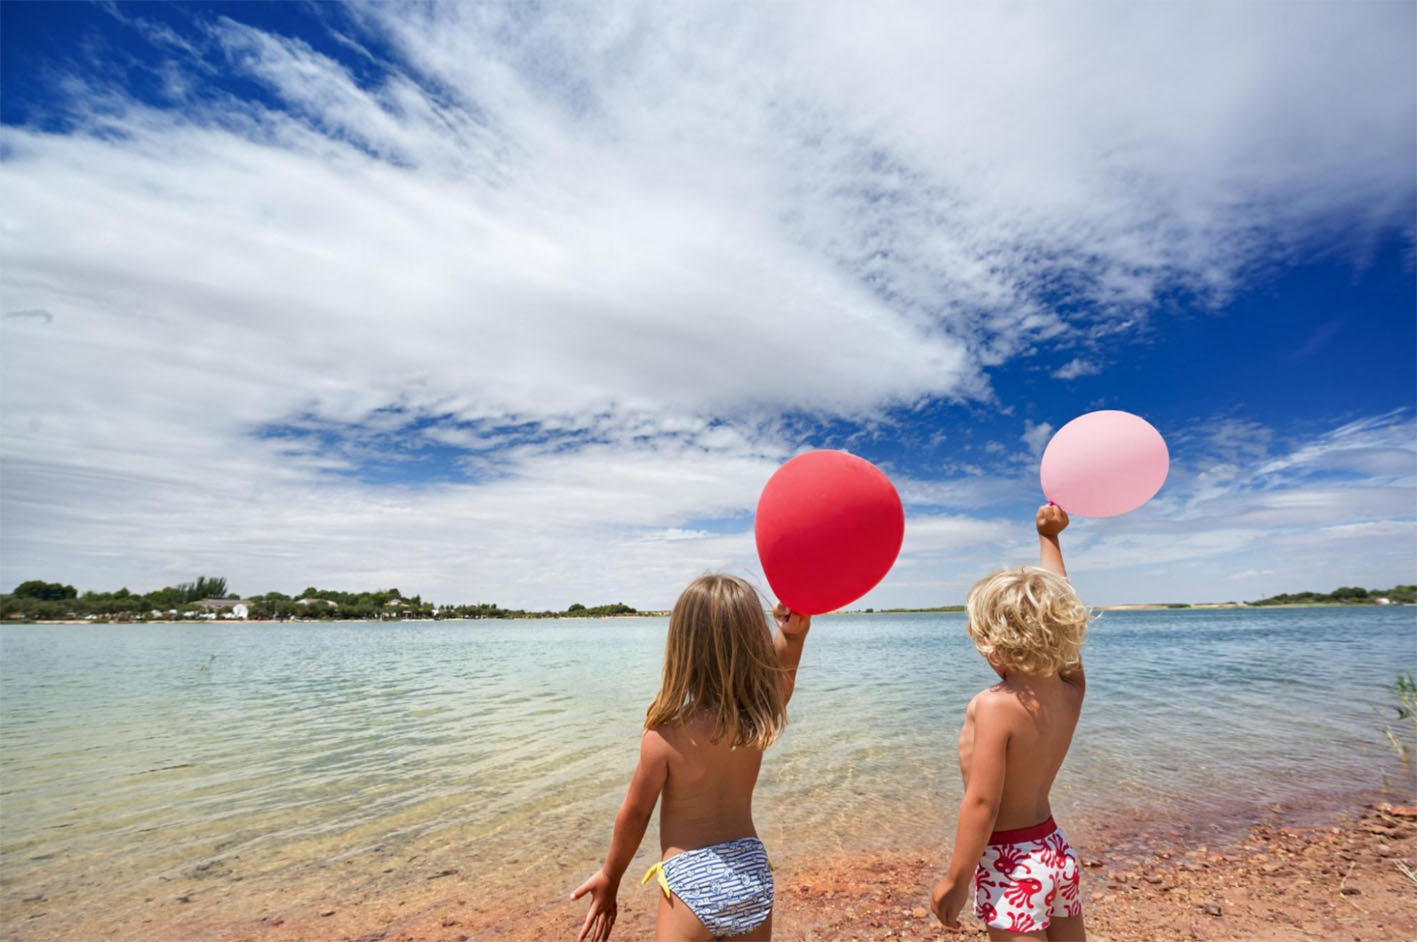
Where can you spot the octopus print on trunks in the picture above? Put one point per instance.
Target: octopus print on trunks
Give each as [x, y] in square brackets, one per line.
[1026, 878]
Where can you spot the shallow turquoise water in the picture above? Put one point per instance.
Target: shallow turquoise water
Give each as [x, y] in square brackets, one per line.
[259, 757]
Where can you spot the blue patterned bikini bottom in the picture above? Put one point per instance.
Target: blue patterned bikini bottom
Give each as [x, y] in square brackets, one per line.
[727, 886]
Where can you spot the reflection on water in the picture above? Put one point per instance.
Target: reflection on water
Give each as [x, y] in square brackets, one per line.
[316, 756]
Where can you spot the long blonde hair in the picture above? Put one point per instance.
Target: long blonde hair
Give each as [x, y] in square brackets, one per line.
[1028, 619]
[719, 660]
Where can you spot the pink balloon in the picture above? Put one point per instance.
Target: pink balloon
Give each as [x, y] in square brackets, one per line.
[1103, 464]
[829, 527]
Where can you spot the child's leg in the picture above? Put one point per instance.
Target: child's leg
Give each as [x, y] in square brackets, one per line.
[677, 923]
[1008, 935]
[1067, 929]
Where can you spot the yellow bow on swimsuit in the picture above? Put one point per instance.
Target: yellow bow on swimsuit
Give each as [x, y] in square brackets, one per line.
[658, 871]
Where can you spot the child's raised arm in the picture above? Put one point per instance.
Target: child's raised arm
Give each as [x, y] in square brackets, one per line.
[1050, 521]
[791, 634]
[630, 823]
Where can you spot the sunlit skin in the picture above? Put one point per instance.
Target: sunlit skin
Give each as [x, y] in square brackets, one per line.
[1015, 737]
[705, 796]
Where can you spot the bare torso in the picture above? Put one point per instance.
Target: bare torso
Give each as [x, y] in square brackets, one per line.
[1042, 714]
[708, 793]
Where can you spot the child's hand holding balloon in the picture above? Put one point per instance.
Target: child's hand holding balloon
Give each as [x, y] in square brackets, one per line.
[789, 622]
[1051, 519]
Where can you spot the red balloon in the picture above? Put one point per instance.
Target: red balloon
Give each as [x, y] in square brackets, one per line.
[829, 527]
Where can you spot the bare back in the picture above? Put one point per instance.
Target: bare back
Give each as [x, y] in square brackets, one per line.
[708, 792]
[1041, 714]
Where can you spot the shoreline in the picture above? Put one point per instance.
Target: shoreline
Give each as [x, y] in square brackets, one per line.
[1149, 607]
[326, 621]
[949, 609]
[1210, 606]
[1328, 868]
[1274, 883]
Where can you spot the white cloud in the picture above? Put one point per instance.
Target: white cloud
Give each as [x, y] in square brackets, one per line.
[1036, 435]
[1075, 368]
[650, 230]
[1373, 445]
[927, 534]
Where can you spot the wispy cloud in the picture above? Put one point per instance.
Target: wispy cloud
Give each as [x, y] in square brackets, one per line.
[1036, 435]
[37, 315]
[1380, 445]
[1075, 368]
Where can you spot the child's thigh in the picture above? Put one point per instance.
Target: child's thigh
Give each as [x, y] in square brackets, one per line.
[677, 923]
[1067, 929]
[1008, 935]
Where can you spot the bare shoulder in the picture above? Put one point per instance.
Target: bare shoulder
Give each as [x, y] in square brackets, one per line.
[998, 706]
[994, 706]
[659, 742]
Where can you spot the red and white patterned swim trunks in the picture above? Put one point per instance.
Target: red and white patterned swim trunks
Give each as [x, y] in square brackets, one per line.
[1026, 878]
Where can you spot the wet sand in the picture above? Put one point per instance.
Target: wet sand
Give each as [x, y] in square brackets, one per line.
[1339, 880]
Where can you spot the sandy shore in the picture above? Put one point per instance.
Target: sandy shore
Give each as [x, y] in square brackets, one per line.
[1343, 880]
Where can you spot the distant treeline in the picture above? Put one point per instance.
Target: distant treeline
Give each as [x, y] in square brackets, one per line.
[577, 610]
[907, 611]
[48, 601]
[1345, 595]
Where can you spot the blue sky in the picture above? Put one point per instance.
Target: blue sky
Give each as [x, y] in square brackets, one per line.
[524, 303]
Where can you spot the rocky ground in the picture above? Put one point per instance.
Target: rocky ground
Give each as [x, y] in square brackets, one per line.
[1355, 879]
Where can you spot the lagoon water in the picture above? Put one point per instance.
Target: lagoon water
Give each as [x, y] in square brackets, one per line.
[240, 764]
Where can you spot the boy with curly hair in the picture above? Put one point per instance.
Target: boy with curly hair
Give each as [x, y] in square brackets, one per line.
[1029, 625]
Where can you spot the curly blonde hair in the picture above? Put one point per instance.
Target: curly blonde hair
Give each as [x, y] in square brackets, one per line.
[719, 660]
[1028, 620]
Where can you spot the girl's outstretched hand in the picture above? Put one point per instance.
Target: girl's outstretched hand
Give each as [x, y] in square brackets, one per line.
[603, 908]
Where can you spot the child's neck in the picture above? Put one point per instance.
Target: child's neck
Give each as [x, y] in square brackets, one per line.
[1018, 680]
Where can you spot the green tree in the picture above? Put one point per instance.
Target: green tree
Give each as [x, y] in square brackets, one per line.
[45, 591]
[204, 588]
[1402, 593]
